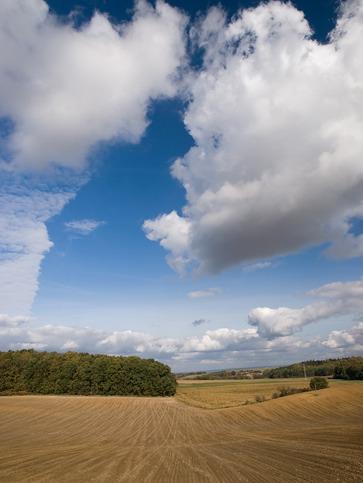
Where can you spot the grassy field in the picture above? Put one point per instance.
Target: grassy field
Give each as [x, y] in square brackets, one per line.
[232, 393]
[308, 437]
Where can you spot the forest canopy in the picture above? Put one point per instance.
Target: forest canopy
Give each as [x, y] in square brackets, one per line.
[29, 371]
[345, 368]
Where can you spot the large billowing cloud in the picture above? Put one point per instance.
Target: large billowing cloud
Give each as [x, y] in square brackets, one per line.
[63, 89]
[67, 88]
[277, 120]
[339, 299]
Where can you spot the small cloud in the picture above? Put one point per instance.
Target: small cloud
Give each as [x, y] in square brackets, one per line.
[209, 292]
[83, 227]
[256, 266]
[198, 322]
[209, 361]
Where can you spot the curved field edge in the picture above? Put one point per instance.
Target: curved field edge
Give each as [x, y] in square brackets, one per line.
[234, 393]
[300, 438]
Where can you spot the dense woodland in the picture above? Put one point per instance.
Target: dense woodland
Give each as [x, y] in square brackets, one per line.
[28, 371]
[347, 368]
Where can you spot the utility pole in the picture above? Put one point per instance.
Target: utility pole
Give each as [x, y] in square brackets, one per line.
[304, 370]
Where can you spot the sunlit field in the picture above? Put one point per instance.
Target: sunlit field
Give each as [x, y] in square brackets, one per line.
[307, 437]
[232, 393]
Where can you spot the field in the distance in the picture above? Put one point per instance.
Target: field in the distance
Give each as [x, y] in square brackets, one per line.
[306, 437]
[215, 394]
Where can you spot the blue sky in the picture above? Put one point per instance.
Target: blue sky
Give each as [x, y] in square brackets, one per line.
[154, 174]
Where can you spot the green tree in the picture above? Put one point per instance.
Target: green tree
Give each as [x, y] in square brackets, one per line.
[317, 383]
[82, 373]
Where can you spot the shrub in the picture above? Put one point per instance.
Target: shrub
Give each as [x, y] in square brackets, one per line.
[260, 398]
[317, 383]
[284, 390]
[288, 391]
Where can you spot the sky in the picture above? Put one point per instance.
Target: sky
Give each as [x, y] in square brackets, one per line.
[182, 180]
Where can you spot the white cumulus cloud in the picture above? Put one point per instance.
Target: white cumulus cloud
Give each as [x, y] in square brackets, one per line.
[351, 339]
[68, 88]
[63, 90]
[173, 233]
[342, 298]
[277, 121]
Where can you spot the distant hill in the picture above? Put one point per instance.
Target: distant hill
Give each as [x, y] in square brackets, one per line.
[345, 368]
[223, 374]
[28, 371]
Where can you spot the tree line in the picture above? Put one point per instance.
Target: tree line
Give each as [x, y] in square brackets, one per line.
[346, 368]
[29, 371]
[229, 374]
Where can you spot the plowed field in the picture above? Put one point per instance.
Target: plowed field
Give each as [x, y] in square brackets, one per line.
[301, 438]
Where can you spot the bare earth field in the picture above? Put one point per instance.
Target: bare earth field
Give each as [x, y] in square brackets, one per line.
[301, 438]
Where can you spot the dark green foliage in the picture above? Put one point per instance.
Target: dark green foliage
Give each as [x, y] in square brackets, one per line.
[28, 371]
[349, 372]
[346, 368]
[317, 383]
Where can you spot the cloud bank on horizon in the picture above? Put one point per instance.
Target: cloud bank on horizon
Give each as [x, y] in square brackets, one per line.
[270, 335]
[272, 111]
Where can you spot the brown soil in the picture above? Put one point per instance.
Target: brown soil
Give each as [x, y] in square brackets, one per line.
[302, 438]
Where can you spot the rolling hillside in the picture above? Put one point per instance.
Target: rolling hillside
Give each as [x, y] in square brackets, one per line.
[309, 437]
